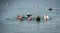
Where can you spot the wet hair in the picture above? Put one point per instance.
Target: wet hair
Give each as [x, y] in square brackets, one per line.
[29, 15]
[38, 18]
[50, 9]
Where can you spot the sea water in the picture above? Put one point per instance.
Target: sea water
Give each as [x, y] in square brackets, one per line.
[9, 10]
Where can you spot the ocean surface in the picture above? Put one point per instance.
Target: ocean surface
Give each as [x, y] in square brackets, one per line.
[9, 10]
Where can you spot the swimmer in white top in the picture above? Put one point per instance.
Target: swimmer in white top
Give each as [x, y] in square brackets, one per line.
[46, 17]
[29, 16]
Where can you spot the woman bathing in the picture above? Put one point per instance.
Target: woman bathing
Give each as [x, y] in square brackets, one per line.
[46, 17]
[29, 16]
[38, 18]
[19, 17]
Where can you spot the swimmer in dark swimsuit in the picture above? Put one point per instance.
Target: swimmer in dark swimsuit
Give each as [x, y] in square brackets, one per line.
[50, 9]
[38, 18]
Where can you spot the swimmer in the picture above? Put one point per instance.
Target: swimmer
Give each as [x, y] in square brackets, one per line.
[46, 17]
[28, 15]
[50, 9]
[19, 17]
[37, 18]
[29, 18]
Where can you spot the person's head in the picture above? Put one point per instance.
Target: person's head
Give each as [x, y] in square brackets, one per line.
[28, 14]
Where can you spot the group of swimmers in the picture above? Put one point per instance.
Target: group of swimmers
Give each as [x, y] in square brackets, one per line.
[19, 17]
